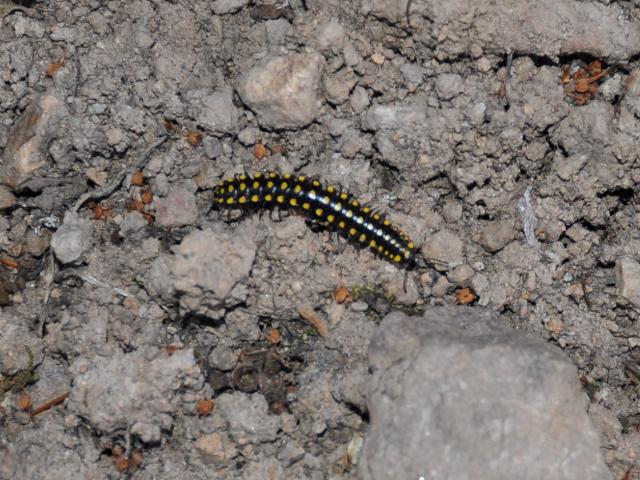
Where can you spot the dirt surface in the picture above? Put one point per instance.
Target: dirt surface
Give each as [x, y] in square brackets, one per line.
[164, 339]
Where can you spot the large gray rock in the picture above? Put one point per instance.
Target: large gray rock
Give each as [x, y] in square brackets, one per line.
[456, 394]
[284, 91]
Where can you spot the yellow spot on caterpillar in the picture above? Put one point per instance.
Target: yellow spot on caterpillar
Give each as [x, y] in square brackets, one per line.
[243, 187]
[268, 197]
[344, 196]
[258, 175]
[297, 189]
[255, 199]
[376, 216]
[272, 175]
[293, 202]
[410, 246]
[256, 185]
[366, 209]
[386, 253]
[326, 200]
[280, 199]
[302, 178]
[269, 184]
[372, 244]
[338, 206]
[316, 183]
[341, 224]
[221, 183]
[352, 231]
[306, 206]
[242, 199]
[380, 248]
[287, 176]
[230, 200]
[242, 177]
[406, 254]
[284, 185]
[330, 218]
[397, 258]
[363, 237]
[230, 188]
[355, 203]
[330, 189]
[387, 222]
[319, 212]
[349, 214]
[221, 200]
[312, 194]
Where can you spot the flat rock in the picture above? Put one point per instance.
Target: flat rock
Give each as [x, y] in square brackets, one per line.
[456, 392]
[496, 235]
[538, 28]
[30, 138]
[207, 266]
[283, 91]
[139, 387]
[73, 238]
[7, 199]
[214, 111]
[628, 279]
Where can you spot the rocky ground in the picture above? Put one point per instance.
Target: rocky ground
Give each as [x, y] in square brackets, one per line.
[144, 334]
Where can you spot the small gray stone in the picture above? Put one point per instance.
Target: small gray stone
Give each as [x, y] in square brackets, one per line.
[212, 147]
[456, 392]
[20, 348]
[628, 279]
[248, 417]
[221, 7]
[7, 199]
[177, 208]
[359, 100]
[330, 35]
[133, 222]
[73, 238]
[248, 136]
[452, 211]
[495, 236]
[338, 86]
[214, 111]
[449, 85]
[284, 91]
[444, 249]
[461, 274]
[216, 448]
[222, 357]
[206, 268]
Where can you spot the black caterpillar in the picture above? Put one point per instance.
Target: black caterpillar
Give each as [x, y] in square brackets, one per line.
[327, 204]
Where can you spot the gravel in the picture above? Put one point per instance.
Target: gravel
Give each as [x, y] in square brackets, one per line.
[145, 302]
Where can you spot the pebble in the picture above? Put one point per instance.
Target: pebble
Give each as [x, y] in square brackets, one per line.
[73, 238]
[359, 99]
[7, 199]
[221, 7]
[460, 274]
[216, 448]
[248, 417]
[444, 249]
[178, 208]
[449, 85]
[131, 223]
[496, 235]
[284, 91]
[628, 279]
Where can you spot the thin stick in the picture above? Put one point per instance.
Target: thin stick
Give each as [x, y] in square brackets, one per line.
[103, 192]
[51, 403]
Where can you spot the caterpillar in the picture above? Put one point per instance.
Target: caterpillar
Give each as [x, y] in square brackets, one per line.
[327, 204]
